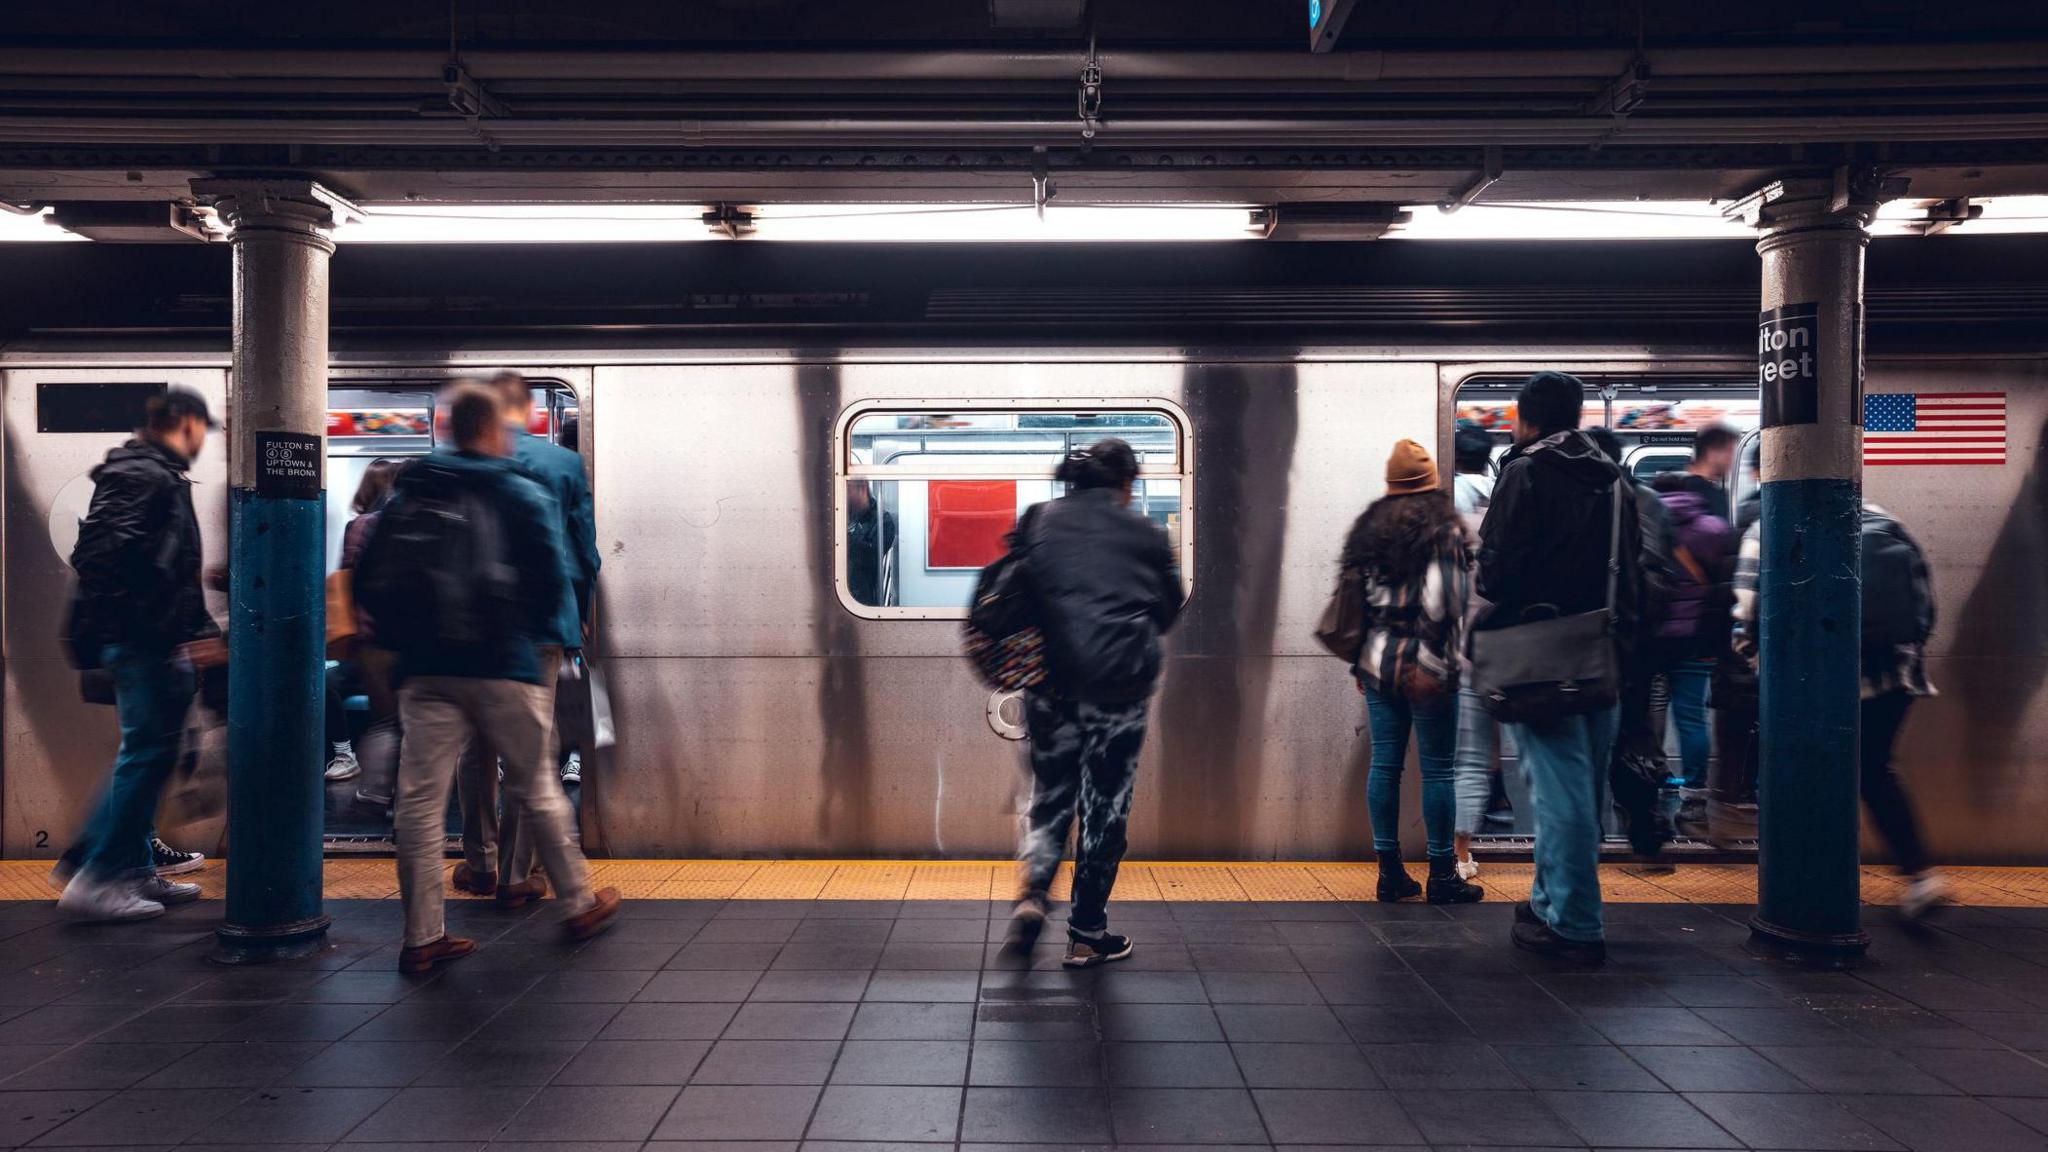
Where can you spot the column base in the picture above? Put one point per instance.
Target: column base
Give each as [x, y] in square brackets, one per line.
[236, 945]
[1829, 951]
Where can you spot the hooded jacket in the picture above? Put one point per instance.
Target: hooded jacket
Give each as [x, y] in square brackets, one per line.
[1108, 587]
[138, 554]
[1696, 617]
[1543, 549]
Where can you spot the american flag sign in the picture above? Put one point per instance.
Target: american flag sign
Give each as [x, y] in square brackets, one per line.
[1933, 428]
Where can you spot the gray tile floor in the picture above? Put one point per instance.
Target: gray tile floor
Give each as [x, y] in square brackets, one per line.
[855, 1027]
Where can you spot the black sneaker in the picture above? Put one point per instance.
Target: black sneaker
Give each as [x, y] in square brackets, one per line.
[171, 862]
[1027, 920]
[1540, 939]
[1525, 913]
[1088, 952]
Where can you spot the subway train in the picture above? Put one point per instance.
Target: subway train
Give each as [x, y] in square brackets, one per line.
[791, 511]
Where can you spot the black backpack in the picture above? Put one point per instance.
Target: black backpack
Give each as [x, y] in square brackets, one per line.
[436, 571]
[1897, 608]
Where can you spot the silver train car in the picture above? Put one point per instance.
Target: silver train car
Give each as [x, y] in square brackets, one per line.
[784, 686]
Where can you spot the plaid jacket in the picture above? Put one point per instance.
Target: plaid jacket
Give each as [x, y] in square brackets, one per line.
[1903, 669]
[1419, 622]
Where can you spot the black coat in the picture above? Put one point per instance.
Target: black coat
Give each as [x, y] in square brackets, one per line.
[137, 556]
[1544, 544]
[1108, 587]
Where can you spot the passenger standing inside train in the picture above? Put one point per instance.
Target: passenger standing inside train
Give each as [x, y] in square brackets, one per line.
[1414, 556]
[342, 761]
[1713, 462]
[369, 665]
[1731, 775]
[1477, 780]
[1107, 589]
[464, 575]
[1898, 617]
[140, 614]
[1694, 629]
[1545, 550]
[493, 839]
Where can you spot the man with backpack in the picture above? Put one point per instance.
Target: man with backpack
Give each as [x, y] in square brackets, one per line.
[139, 617]
[464, 575]
[1898, 617]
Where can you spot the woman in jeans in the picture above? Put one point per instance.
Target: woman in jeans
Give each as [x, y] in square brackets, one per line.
[1411, 548]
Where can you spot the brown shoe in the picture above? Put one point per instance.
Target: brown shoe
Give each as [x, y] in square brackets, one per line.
[521, 894]
[592, 920]
[474, 883]
[426, 956]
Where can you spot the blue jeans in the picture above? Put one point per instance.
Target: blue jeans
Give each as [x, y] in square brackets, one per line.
[1564, 763]
[1478, 743]
[1689, 681]
[1436, 743]
[152, 692]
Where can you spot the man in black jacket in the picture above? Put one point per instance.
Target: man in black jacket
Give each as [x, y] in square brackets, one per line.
[1545, 551]
[140, 614]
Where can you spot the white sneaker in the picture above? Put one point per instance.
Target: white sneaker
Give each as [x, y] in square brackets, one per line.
[1468, 868]
[1923, 892]
[89, 899]
[344, 767]
[168, 892]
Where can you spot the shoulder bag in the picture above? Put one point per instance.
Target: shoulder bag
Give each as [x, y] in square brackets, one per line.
[1341, 629]
[1562, 666]
[1002, 637]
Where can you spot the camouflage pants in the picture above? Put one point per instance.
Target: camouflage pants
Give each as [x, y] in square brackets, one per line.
[1084, 760]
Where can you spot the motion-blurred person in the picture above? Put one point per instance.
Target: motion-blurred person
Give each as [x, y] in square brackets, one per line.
[1107, 588]
[464, 575]
[1713, 462]
[1415, 558]
[1731, 775]
[1898, 617]
[1477, 778]
[1693, 630]
[368, 666]
[1545, 551]
[493, 840]
[139, 613]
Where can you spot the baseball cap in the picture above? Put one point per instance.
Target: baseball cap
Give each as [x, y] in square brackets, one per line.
[180, 401]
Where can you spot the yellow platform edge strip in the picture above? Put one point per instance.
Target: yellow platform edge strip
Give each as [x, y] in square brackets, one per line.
[1178, 880]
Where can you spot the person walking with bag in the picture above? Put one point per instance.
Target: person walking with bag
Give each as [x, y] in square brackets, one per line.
[1105, 587]
[1557, 561]
[1410, 550]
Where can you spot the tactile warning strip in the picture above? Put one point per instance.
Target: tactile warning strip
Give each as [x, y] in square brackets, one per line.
[1282, 882]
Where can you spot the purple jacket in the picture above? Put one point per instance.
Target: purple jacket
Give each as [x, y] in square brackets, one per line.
[1698, 611]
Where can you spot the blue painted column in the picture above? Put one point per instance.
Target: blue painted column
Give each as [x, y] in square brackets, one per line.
[277, 421]
[1810, 373]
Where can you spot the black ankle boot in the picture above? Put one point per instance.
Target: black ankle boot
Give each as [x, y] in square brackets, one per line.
[1447, 887]
[1395, 883]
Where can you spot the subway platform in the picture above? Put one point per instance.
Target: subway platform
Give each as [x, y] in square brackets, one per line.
[855, 1007]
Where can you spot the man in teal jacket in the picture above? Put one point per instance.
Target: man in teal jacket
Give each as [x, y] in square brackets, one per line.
[490, 842]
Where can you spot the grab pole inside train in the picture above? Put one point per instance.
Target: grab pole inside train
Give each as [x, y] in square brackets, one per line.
[277, 406]
[1810, 373]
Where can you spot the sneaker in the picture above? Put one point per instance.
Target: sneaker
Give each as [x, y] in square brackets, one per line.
[344, 767]
[369, 799]
[1540, 939]
[572, 769]
[168, 892]
[1468, 868]
[106, 902]
[424, 957]
[171, 862]
[1923, 892]
[1027, 920]
[1088, 952]
[592, 920]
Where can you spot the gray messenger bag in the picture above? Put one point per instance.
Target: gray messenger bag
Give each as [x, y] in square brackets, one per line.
[1555, 666]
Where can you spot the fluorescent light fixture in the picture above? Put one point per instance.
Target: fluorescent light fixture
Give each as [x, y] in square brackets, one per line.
[1574, 220]
[1003, 223]
[526, 224]
[32, 228]
[1997, 214]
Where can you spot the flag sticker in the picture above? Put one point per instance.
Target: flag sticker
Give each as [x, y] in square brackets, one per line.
[1934, 428]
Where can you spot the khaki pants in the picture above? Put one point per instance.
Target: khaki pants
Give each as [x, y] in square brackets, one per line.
[442, 714]
[493, 838]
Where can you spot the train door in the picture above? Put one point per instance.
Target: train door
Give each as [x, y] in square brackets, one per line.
[59, 424]
[376, 424]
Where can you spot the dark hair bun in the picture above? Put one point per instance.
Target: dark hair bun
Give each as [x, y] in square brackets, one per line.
[1108, 463]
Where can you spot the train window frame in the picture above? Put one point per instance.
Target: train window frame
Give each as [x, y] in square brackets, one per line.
[845, 469]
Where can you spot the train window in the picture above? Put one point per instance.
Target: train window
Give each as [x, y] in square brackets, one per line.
[927, 492]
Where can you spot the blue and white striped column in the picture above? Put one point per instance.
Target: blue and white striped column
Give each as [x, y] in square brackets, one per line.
[277, 425]
[1810, 372]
